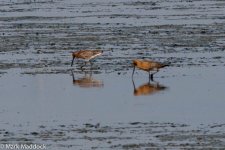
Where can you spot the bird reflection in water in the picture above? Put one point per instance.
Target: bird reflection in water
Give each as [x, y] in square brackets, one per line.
[87, 81]
[148, 88]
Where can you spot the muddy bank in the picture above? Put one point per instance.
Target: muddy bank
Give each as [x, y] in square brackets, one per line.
[133, 135]
[41, 35]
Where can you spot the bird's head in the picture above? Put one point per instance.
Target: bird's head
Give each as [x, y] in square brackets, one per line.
[135, 62]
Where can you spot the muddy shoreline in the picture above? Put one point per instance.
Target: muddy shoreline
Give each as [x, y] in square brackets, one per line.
[32, 40]
[133, 135]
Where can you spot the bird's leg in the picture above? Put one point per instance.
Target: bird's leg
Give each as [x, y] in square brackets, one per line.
[91, 64]
[133, 72]
[83, 65]
[156, 71]
[153, 74]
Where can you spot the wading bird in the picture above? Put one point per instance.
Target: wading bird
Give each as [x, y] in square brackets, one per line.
[87, 55]
[148, 65]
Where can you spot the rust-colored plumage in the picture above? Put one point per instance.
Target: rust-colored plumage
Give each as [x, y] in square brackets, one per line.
[86, 55]
[148, 65]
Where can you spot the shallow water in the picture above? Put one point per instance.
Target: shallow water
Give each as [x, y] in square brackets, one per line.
[53, 104]
[186, 97]
[45, 101]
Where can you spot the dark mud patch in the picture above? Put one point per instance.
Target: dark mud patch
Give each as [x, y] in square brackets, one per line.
[38, 41]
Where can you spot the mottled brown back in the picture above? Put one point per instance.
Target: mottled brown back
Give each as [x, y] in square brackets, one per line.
[87, 54]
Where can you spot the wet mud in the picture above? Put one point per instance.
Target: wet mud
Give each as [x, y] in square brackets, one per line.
[133, 135]
[42, 34]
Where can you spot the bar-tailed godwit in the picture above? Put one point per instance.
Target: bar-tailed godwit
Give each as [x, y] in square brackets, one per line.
[148, 65]
[87, 55]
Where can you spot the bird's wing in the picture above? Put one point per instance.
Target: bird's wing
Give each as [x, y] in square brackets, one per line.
[88, 54]
[85, 54]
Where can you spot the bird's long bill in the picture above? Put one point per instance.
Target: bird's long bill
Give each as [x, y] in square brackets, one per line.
[72, 61]
[133, 72]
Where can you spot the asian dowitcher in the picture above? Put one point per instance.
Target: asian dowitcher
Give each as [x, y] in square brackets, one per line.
[148, 65]
[87, 55]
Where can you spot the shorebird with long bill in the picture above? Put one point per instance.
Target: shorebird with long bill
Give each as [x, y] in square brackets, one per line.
[148, 65]
[86, 55]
